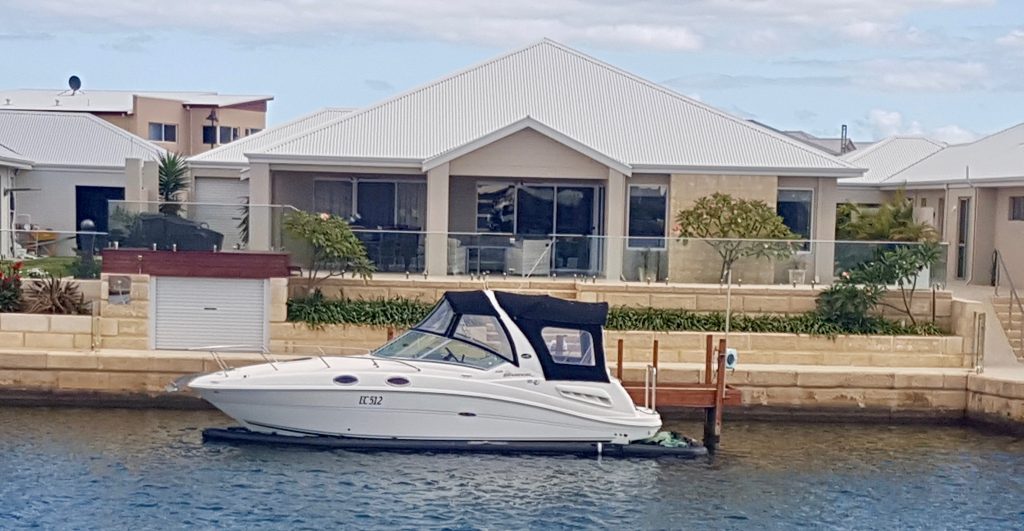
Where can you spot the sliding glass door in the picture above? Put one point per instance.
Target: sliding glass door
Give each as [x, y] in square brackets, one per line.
[553, 226]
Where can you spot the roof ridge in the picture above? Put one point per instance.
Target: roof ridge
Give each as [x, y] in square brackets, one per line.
[861, 153]
[744, 123]
[402, 95]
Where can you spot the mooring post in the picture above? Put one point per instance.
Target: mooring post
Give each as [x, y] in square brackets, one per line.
[655, 354]
[391, 333]
[713, 428]
[709, 351]
[618, 363]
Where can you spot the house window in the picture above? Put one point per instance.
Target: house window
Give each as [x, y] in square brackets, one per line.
[1017, 208]
[646, 221]
[795, 209]
[228, 134]
[333, 197]
[495, 208]
[373, 203]
[159, 132]
[252, 130]
[209, 134]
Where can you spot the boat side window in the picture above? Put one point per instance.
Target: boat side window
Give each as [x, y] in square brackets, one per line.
[417, 345]
[484, 330]
[569, 346]
[439, 319]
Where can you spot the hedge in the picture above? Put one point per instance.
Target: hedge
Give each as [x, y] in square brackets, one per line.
[317, 311]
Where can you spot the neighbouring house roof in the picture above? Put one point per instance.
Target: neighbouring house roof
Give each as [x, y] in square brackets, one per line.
[119, 101]
[585, 103]
[233, 154]
[70, 139]
[888, 157]
[11, 158]
[993, 159]
[833, 146]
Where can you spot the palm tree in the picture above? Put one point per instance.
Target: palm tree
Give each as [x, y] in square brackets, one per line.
[173, 182]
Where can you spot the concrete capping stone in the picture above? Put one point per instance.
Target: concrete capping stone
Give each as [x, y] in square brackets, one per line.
[71, 324]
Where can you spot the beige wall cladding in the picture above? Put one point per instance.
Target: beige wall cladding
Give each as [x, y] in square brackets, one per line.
[527, 153]
[691, 262]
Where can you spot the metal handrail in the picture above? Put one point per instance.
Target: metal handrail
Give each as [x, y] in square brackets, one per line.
[651, 388]
[1000, 270]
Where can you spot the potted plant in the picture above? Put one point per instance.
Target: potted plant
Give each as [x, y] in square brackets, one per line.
[798, 274]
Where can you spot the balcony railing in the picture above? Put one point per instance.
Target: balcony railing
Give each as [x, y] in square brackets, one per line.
[189, 226]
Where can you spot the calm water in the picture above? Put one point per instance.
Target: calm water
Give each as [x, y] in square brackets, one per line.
[120, 469]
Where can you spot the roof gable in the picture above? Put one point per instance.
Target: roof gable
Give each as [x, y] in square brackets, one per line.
[885, 158]
[71, 139]
[996, 157]
[610, 112]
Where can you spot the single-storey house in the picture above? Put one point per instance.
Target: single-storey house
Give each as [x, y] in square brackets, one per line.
[58, 170]
[975, 192]
[543, 161]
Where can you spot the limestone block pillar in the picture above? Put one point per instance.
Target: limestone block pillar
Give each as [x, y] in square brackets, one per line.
[150, 181]
[260, 218]
[825, 229]
[615, 224]
[437, 220]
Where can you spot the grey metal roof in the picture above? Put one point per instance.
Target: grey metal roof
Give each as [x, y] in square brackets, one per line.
[997, 157]
[832, 146]
[9, 157]
[70, 139]
[233, 154]
[642, 125]
[110, 100]
[888, 157]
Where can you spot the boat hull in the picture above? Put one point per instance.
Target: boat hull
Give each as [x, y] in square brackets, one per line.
[419, 414]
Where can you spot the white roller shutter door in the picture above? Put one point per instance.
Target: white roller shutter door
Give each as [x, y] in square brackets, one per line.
[199, 312]
[224, 217]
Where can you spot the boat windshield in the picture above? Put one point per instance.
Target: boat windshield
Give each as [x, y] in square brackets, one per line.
[419, 345]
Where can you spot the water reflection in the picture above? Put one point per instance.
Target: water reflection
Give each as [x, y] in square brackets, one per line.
[148, 469]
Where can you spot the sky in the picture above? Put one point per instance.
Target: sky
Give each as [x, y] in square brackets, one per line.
[950, 69]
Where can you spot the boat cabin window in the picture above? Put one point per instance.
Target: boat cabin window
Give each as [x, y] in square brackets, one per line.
[568, 346]
[484, 330]
[439, 320]
[417, 345]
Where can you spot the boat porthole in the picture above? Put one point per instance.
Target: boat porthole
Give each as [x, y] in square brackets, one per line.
[345, 379]
[526, 356]
[466, 414]
[398, 380]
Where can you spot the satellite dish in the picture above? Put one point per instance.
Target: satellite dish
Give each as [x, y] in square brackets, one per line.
[74, 83]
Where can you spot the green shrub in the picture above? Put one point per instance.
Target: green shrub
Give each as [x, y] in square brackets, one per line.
[317, 311]
[10, 286]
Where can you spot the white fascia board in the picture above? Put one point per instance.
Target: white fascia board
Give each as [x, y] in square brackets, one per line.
[78, 169]
[319, 160]
[515, 127]
[749, 170]
[215, 165]
[987, 182]
[18, 164]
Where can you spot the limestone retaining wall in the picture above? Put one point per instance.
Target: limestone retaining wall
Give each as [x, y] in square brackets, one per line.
[34, 330]
[996, 400]
[861, 351]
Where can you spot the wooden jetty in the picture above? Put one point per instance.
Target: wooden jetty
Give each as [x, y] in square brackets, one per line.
[712, 394]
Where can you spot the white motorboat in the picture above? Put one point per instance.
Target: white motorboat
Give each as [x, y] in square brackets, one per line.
[483, 366]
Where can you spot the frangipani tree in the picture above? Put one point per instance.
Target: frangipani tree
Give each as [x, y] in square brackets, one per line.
[335, 249]
[736, 228]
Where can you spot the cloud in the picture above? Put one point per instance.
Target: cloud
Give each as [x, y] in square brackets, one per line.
[925, 74]
[652, 24]
[379, 84]
[27, 36]
[883, 123]
[1014, 39]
